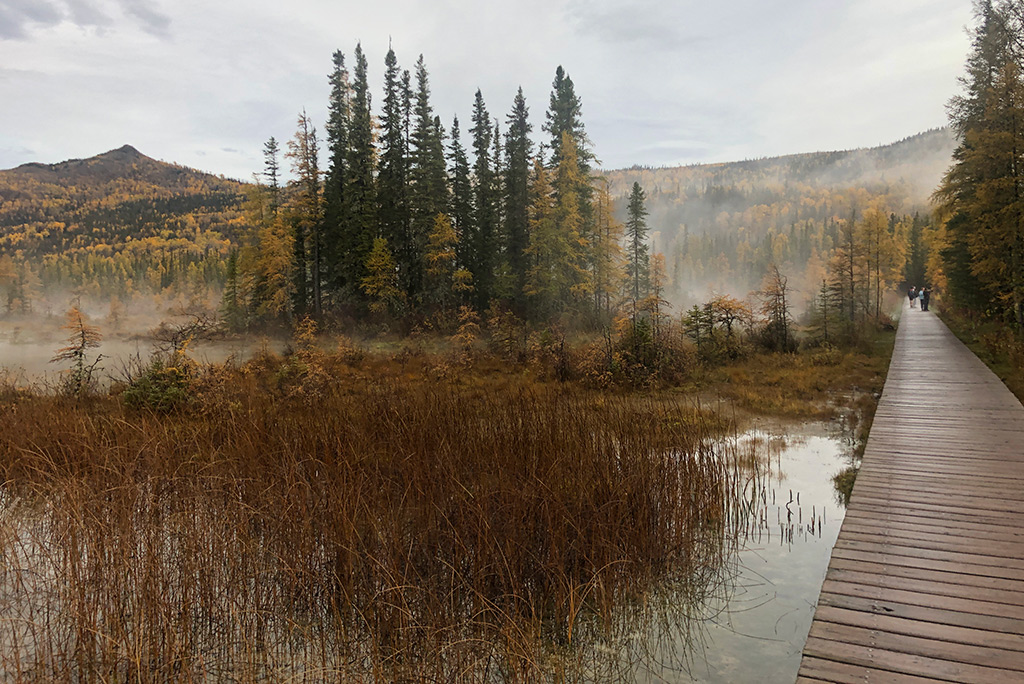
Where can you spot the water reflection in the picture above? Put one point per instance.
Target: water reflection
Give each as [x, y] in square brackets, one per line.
[754, 628]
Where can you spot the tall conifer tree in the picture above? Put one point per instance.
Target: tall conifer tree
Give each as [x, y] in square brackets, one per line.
[461, 204]
[361, 222]
[565, 116]
[485, 206]
[518, 150]
[336, 210]
[990, 52]
[392, 180]
[271, 171]
[428, 190]
[637, 256]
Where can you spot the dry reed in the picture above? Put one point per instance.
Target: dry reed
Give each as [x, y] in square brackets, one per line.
[363, 531]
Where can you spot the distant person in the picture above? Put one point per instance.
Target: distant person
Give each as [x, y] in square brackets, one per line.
[912, 295]
[926, 295]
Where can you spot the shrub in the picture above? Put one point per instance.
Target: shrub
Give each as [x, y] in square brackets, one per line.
[164, 385]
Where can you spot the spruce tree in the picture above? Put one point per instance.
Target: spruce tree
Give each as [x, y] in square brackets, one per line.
[565, 116]
[518, 150]
[360, 226]
[461, 203]
[637, 259]
[502, 283]
[485, 210]
[271, 173]
[336, 210]
[428, 189]
[392, 180]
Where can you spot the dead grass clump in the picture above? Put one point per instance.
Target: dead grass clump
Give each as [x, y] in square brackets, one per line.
[388, 532]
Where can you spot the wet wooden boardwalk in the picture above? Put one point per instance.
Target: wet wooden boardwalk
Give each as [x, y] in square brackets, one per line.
[926, 581]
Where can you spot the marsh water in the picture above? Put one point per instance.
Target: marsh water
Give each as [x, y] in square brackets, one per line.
[754, 630]
[26, 350]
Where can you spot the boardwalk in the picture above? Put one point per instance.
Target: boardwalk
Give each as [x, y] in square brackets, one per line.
[926, 581]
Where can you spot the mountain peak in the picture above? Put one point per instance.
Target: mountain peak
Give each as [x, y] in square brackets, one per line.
[125, 152]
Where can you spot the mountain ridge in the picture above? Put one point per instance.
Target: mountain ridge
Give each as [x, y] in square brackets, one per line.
[128, 154]
[125, 161]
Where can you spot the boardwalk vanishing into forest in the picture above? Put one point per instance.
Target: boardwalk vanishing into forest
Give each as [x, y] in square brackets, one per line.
[926, 581]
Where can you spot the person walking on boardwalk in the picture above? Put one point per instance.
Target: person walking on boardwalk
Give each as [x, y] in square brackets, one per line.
[926, 295]
[912, 295]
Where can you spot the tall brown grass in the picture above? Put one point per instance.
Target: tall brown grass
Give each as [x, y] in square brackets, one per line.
[289, 525]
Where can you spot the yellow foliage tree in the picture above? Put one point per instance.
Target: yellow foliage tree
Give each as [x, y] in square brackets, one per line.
[381, 282]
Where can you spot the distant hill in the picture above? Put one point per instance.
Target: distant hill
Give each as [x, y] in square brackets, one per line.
[919, 160]
[694, 196]
[111, 199]
[721, 225]
[119, 223]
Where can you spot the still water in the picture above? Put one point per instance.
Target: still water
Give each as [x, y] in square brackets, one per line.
[25, 354]
[755, 630]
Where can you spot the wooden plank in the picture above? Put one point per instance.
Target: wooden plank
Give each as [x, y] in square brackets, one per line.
[926, 578]
[903, 663]
[932, 475]
[949, 588]
[985, 554]
[967, 572]
[972, 563]
[920, 628]
[949, 575]
[956, 524]
[945, 650]
[821, 670]
[909, 497]
[962, 538]
[954, 604]
[868, 501]
[913, 611]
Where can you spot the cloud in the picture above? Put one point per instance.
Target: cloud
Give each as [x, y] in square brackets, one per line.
[16, 15]
[650, 27]
[18, 18]
[153, 21]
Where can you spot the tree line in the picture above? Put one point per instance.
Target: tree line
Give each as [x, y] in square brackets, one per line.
[981, 198]
[391, 216]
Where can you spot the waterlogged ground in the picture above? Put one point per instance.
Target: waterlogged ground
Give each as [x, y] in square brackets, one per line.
[753, 625]
[756, 630]
[25, 353]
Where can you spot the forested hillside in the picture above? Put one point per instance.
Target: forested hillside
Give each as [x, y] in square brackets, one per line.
[119, 223]
[721, 225]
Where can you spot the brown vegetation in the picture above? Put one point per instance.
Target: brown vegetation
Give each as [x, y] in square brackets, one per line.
[324, 517]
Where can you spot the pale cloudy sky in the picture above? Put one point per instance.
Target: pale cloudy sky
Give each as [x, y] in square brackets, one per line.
[205, 82]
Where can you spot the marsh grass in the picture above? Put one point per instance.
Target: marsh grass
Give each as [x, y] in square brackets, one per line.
[822, 384]
[313, 519]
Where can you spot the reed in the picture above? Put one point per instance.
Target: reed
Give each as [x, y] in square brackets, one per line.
[310, 522]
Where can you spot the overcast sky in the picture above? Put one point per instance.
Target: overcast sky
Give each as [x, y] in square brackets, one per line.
[205, 82]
